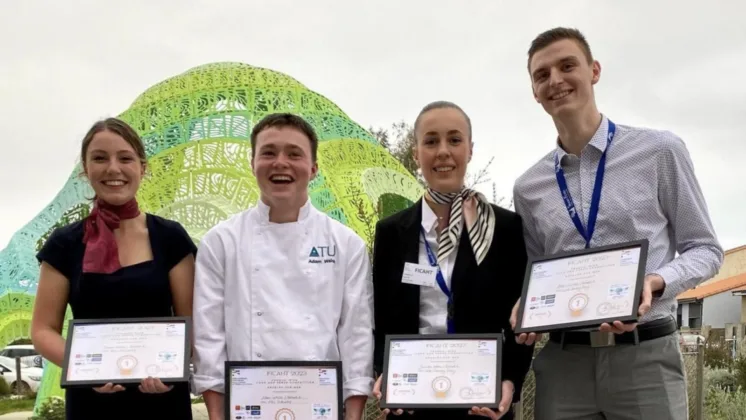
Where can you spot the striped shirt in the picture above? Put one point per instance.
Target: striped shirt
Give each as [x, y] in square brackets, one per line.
[649, 191]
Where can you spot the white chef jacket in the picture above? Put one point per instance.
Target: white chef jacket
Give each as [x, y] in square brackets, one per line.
[282, 291]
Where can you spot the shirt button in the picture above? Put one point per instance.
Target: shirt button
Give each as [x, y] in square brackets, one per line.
[258, 355]
[259, 313]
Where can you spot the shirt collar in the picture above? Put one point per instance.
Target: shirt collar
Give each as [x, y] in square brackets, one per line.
[429, 219]
[263, 212]
[598, 141]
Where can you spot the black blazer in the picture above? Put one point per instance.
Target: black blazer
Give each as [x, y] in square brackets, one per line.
[483, 296]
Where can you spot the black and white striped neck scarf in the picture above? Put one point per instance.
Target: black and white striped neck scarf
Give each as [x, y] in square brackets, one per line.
[480, 233]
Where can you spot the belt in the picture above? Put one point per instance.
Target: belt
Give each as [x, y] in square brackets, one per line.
[648, 331]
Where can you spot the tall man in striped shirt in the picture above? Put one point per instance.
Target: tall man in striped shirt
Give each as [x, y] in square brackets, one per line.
[649, 190]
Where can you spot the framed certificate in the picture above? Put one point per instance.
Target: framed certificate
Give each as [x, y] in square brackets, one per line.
[583, 289]
[442, 371]
[125, 351]
[283, 390]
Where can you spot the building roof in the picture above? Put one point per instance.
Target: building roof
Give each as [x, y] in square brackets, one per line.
[725, 285]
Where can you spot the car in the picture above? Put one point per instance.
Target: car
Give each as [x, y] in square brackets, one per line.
[28, 354]
[30, 376]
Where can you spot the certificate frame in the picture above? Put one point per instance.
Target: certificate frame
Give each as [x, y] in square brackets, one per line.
[497, 337]
[630, 317]
[230, 365]
[73, 323]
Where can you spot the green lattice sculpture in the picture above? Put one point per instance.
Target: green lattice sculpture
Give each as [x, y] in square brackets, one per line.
[196, 130]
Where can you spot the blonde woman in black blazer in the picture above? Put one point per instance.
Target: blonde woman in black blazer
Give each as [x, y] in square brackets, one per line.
[483, 266]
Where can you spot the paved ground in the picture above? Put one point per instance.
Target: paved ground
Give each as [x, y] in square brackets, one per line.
[198, 411]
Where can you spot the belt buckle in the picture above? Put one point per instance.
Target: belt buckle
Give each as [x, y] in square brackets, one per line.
[602, 339]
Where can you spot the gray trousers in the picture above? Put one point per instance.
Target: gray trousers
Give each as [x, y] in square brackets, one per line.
[622, 382]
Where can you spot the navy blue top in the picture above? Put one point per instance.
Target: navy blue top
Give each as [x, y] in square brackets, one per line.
[139, 290]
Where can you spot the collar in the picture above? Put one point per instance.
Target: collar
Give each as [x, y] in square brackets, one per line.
[263, 213]
[429, 219]
[598, 141]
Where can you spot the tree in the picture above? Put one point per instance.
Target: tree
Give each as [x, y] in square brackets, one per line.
[400, 143]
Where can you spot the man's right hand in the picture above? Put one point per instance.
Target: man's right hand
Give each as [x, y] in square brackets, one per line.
[377, 394]
[523, 338]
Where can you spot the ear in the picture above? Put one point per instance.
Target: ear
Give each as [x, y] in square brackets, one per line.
[471, 150]
[414, 155]
[314, 170]
[596, 69]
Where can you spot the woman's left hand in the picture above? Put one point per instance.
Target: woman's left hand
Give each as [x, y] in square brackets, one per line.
[503, 407]
[151, 385]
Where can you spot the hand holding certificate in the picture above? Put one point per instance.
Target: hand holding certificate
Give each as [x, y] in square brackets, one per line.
[107, 354]
[590, 288]
[442, 371]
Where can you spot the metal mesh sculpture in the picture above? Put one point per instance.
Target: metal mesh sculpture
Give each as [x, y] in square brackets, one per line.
[196, 129]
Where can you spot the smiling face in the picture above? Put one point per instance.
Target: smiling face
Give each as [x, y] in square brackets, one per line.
[113, 167]
[562, 78]
[283, 166]
[443, 148]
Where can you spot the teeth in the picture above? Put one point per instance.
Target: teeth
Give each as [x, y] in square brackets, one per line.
[444, 169]
[281, 178]
[114, 183]
[559, 95]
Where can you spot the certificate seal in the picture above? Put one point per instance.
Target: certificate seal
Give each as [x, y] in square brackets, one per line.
[603, 308]
[284, 414]
[126, 364]
[441, 385]
[577, 303]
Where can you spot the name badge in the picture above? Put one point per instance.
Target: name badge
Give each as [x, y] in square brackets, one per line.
[419, 274]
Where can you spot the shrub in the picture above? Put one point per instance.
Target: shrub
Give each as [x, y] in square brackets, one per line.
[717, 356]
[720, 378]
[51, 409]
[739, 372]
[724, 405]
[4, 387]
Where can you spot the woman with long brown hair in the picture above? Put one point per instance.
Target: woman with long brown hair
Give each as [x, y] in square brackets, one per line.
[117, 263]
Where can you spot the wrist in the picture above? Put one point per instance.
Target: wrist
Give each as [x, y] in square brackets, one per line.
[657, 284]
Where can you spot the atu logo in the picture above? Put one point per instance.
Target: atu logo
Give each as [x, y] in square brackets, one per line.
[323, 254]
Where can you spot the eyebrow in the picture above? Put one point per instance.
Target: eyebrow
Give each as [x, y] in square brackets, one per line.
[118, 151]
[449, 132]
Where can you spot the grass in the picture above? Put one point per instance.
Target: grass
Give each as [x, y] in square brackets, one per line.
[12, 405]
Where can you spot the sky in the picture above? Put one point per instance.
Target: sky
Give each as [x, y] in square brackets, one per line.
[674, 65]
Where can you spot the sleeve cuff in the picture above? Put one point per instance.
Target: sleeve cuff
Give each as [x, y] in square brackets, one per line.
[201, 383]
[357, 386]
[671, 280]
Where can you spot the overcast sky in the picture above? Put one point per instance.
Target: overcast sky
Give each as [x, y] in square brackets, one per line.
[676, 65]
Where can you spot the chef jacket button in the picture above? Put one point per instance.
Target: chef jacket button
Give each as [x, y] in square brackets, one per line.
[259, 313]
[258, 355]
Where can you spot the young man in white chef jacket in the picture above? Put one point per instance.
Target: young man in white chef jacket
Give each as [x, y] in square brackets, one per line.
[283, 281]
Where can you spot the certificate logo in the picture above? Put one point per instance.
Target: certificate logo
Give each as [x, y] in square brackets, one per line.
[441, 385]
[577, 303]
[618, 291]
[322, 411]
[284, 414]
[327, 377]
[480, 378]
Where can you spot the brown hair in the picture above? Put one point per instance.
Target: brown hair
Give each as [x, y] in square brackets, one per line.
[440, 105]
[118, 127]
[281, 120]
[553, 35]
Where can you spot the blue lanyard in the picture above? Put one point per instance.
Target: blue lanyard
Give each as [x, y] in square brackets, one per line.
[441, 283]
[595, 198]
